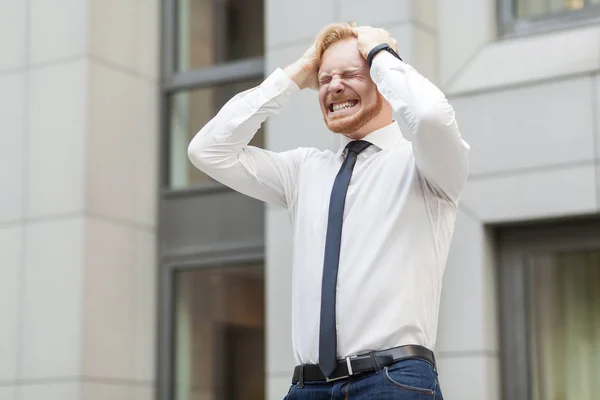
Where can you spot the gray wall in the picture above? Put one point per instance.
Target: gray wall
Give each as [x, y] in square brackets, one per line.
[78, 134]
[530, 114]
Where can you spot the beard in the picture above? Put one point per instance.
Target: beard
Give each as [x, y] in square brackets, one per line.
[353, 123]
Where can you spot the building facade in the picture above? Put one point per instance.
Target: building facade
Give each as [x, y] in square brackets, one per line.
[79, 130]
[125, 273]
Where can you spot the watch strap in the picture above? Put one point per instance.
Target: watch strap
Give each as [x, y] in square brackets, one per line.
[377, 49]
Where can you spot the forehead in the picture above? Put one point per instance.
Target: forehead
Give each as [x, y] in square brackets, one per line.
[341, 56]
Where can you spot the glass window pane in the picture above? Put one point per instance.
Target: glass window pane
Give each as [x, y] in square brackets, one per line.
[216, 31]
[532, 8]
[564, 326]
[219, 334]
[190, 111]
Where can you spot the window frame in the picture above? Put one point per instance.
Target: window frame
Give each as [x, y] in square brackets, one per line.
[511, 26]
[165, 370]
[231, 252]
[515, 245]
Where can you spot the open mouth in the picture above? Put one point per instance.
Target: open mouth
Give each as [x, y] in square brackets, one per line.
[342, 107]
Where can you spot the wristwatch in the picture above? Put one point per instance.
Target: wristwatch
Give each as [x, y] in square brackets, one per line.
[377, 49]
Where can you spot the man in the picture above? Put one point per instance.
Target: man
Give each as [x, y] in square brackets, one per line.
[371, 223]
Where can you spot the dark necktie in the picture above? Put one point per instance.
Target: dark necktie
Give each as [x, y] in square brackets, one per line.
[333, 241]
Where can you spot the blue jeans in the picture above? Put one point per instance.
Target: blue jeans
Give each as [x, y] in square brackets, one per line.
[412, 379]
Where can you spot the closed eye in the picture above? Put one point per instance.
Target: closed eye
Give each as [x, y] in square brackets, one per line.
[352, 75]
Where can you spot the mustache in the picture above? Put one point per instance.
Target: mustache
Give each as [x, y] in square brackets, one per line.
[333, 99]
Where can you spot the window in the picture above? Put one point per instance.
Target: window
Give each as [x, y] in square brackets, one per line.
[550, 301]
[190, 110]
[219, 333]
[563, 306]
[530, 16]
[213, 49]
[217, 31]
[534, 8]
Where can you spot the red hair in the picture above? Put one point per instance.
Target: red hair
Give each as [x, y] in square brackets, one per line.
[331, 34]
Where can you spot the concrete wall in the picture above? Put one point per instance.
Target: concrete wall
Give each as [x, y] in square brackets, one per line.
[78, 135]
[530, 114]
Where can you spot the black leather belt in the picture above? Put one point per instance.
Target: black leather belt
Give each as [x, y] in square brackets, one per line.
[363, 363]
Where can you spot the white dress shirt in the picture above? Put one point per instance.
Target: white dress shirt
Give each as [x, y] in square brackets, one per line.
[398, 219]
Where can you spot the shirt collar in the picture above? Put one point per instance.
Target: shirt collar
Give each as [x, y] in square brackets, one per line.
[384, 138]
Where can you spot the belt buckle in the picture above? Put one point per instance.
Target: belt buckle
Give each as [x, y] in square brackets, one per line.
[350, 372]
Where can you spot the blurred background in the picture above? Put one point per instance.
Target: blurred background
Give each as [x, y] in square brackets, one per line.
[127, 274]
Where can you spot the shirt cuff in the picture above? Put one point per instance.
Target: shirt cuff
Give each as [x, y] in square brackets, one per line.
[278, 83]
[382, 63]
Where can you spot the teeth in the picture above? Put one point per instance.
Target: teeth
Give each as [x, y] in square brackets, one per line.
[346, 104]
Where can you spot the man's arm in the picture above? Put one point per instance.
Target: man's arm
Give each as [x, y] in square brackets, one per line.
[221, 148]
[441, 153]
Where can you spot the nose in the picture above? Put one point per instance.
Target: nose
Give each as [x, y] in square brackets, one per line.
[336, 86]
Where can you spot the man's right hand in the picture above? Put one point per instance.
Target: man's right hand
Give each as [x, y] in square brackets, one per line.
[304, 71]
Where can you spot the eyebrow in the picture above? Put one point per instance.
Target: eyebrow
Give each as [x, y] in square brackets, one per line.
[328, 75]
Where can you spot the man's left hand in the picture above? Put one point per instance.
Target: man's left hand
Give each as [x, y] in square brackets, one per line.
[369, 37]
